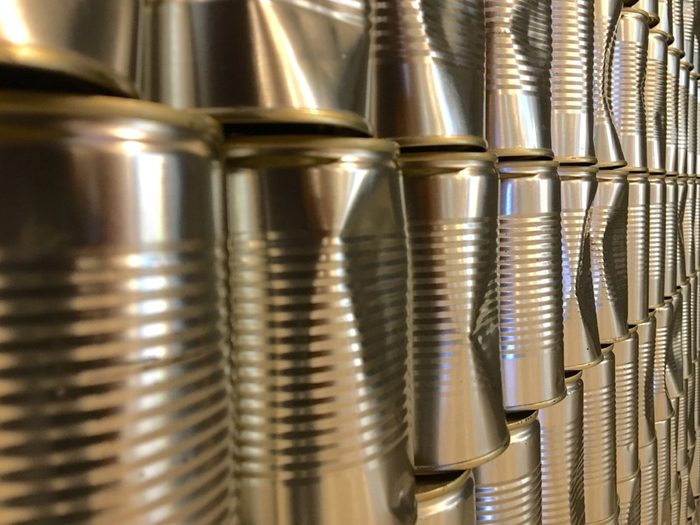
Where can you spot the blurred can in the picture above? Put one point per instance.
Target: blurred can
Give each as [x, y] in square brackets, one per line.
[509, 487]
[688, 28]
[682, 429]
[662, 353]
[664, 26]
[683, 83]
[685, 488]
[649, 484]
[451, 204]
[530, 284]
[655, 102]
[115, 405]
[627, 405]
[673, 65]
[673, 444]
[627, 86]
[262, 62]
[607, 144]
[427, 72]
[599, 456]
[686, 321]
[670, 238]
[657, 239]
[681, 272]
[609, 254]
[676, 499]
[446, 499]
[638, 237]
[630, 493]
[581, 341]
[518, 90]
[651, 8]
[647, 391]
[687, 226]
[561, 450]
[674, 357]
[70, 46]
[572, 81]
[677, 26]
[318, 286]
[663, 455]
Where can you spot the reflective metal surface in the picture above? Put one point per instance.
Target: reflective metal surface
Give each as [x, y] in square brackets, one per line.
[662, 353]
[530, 287]
[682, 431]
[683, 82]
[657, 239]
[663, 455]
[630, 494]
[684, 496]
[452, 213]
[115, 405]
[427, 71]
[672, 81]
[655, 102]
[649, 484]
[518, 64]
[675, 481]
[677, 25]
[627, 405]
[446, 499]
[260, 61]
[638, 247]
[318, 285]
[651, 8]
[687, 359]
[674, 357]
[688, 28]
[671, 250]
[681, 272]
[647, 391]
[664, 26]
[687, 227]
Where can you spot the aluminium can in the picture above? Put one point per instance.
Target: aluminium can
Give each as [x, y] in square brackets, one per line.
[509, 487]
[318, 273]
[530, 284]
[647, 391]
[651, 8]
[676, 500]
[115, 405]
[677, 26]
[655, 102]
[446, 499]
[662, 354]
[683, 86]
[627, 405]
[692, 113]
[671, 238]
[687, 226]
[675, 465]
[451, 202]
[630, 495]
[673, 64]
[682, 429]
[681, 272]
[638, 237]
[664, 25]
[663, 453]
[674, 357]
[688, 9]
[649, 484]
[657, 239]
[686, 335]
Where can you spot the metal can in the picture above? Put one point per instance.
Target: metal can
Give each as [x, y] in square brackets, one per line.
[673, 64]
[674, 357]
[663, 455]
[673, 443]
[677, 26]
[693, 292]
[630, 494]
[682, 430]
[647, 391]
[681, 272]
[671, 250]
[657, 239]
[599, 455]
[115, 406]
[651, 8]
[446, 499]
[427, 72]
[655, 102]
[318, 296]
[207, 54]
[561, 450]
[676, 500]
[509, 487]
[687, 227]
[662, 353]
[638, 247]
[649, 484]
[451, 204]
[518, 65]
[685, 488]
[581, 341]
[683, 84]
[664, 26]
[530, 284]
[572, 81]
[609, 254]
[688, 8]
[686, 321]
[627, 405]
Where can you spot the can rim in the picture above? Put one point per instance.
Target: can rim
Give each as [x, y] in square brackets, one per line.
[473, 141]
[237, 146]
[572, 376]
[454, 481]
[520, 418]
[636, 12]
[459, 160]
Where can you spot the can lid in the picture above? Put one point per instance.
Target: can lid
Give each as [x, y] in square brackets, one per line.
[520, 419]
[576, 172]
[527, 167]
[635, 12]
[572, 376]
[431, 163]
[435, 486]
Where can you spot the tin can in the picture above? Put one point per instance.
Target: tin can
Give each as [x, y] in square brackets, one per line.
[655, 101]
[663, 454]
[677, 26]
[115, 406]
[676, 500]
[682, 430]
[670, 270]
[691, 168]
[609, 254]
[630, 493]
[638, 247]
[673, 64]
[627, 405]
[686, 321]
[664, 26]
[649, 484]
[451, 204]
[208, 54]
[675, 466]
[572, 81]
[692, 317]
[518, 90]
[446, 499]
[427, 72]
[561, 450]
[681, 272]
[651, 8]
[581, 341]
[688, 8]
[683, 85]
[686, 224]
[530, 284]
[685, 487]
[628, 70]
[607, 144]
[647, 391]
[657, 239]
[674, 358]
[318, 285]
[662, 354]
[599, 456]
[509, 487]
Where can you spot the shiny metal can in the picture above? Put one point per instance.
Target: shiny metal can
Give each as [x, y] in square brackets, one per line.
[71, 46]
[693, 281]
[530, 284]
[686, 225]
[681, 273]
[572, 81]
[688, 8]
[628, 71]
[647, 391]
[607, 144]
[686, 336]
[682, 429]
[691, 161]
[657, 239]
[115, 404]
[609, 254]
[638, 237]
[665, 20]
[630, 494]
[676, 500]
[318, 279]
[685, 487]
[675, 467]
[677, 26]
[673, 64]
[683, 85]
[509, 487]
[663, 454]
[671, 239]
[655, 102]
[674, 357]
[446, 499]
[426, 81]
[561, 450]
[518, 90]
[451, 204]
[649, 484]
[581, 341]
[599, 455]
[651, 8]
[663, 348]
[627, 405]
[260, 62]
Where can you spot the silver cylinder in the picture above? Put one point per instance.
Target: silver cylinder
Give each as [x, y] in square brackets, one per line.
[446, 499]
[649, 484]
[530, 284]
[427, 72]
[662, 353]
[115, 400]
[581, 341]
[685, 488]
[691, 161]
[609, 254]
[673, 444]
[688, 8]
[518, 64]
[646, 332]
[317, 262]
[651, 8]
[572, 81]
[657, 239]
[683, 83]
[673, 65]
[630, 494]
[671, 238]
[638, 247]
[676, 500]
[682, 430]
[655, 102]
[693, 281]
[509, 487]
[561, 450]
[599, 458]
[674, 357]
[686, 321]
[681, 272]
[663, 455]
[677, 25]
[665, 20]
[627, 405]
[687, 227]
[451, 204]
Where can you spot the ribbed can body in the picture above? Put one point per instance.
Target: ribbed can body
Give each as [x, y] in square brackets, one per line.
[681, 271]
[682, 430]
[663, 458]
[572, 81]
[685, 488]
[115, 405]
[687, 226]
[657, 239]
[649, 484]
[665, 19]
[427, 71]
[670, 239]
[638, 247]
[318, 285]
[662, 351]
[627, 405]
[655, 102]
[446, 499]
[630, 496]
[672, 82]
[691, 162]
[646, 332]
[651, 8]
[518, 90]
[683, 83]
[599, 457]
[530, 284]
[509, 487]
[581, 341]
[674, 358]
[561, 450]
[686, 335]
[451, 204]
[688, 28]
[609, 254]
[677, 25]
